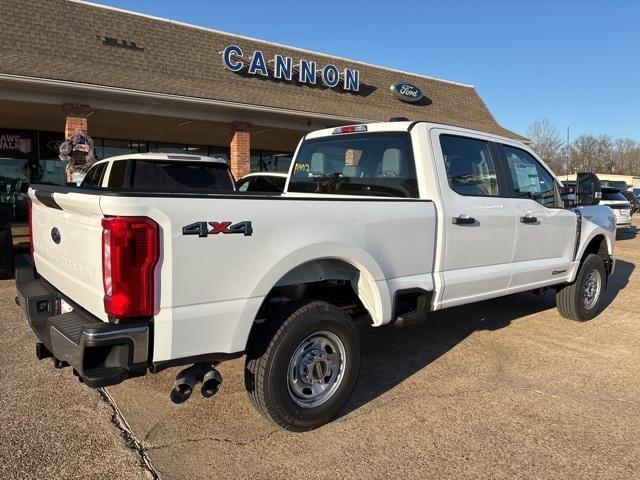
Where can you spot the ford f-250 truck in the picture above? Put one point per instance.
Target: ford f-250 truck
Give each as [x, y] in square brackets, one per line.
[394, 220]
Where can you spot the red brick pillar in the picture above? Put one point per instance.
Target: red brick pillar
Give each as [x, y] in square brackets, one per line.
[76, 118]
[240, 149]
[76, 121]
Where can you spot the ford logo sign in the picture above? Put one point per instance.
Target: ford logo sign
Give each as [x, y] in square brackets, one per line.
[407, 92]
[55, 235]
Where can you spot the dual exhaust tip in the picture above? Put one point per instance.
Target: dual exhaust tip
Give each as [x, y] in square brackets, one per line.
[187, 379]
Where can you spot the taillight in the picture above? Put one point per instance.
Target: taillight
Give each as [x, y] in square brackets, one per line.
[130, 253]
[30, 207]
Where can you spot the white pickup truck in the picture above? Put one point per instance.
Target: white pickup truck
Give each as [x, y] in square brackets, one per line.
[394, 220]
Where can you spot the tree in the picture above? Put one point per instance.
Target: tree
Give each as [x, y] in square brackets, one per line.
[590, 153]
[587, 153]
[546, 142]
[627, 156]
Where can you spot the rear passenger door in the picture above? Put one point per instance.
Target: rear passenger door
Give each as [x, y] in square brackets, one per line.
[479, 220]
[545, 233]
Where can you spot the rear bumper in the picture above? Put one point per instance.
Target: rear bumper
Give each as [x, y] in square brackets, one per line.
[101, 353]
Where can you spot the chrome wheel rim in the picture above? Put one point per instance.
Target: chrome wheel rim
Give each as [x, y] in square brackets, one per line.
[316, 369]
[591, 289]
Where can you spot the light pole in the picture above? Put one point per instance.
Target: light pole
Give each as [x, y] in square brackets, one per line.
[568, 157]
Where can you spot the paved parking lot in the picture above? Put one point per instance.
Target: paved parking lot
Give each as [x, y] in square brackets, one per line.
[501, 389]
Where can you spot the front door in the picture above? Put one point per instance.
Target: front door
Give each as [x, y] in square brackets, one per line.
[479, 223]
[545, 233]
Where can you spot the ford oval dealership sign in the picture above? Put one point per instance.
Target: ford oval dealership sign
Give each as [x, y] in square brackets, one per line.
[407, 92]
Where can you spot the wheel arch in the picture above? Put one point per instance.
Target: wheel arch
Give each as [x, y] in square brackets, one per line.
[599, 244]
[334, 262]
[327, 261]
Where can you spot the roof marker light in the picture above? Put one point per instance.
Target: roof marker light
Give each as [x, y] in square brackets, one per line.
[350, 129]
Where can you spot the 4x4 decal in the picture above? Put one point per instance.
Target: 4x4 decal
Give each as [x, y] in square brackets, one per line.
[204, 229]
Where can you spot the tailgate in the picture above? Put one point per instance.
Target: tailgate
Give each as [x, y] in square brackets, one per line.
[67, 238]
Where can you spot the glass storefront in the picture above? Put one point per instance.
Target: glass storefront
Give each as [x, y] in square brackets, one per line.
[32, 157]
[18, 150]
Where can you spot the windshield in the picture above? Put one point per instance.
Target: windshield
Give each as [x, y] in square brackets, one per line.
[374, 164]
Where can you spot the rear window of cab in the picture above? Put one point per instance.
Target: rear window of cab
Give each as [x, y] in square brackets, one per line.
[371, 164]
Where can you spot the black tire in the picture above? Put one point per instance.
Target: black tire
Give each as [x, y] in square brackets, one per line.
[570, 300]
[6, 254]
[271, 348]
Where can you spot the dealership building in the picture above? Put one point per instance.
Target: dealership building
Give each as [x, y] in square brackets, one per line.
[137, 83]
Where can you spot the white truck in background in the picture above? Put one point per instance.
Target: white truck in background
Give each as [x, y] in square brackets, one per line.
[391, 219]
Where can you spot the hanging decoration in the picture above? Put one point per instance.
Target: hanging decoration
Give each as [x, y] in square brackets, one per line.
[78, 154]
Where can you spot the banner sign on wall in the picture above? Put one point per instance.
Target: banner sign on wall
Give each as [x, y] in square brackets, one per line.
[15, 142]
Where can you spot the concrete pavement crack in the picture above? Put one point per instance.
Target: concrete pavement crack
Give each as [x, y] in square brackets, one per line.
[125, 430]
[213, 439]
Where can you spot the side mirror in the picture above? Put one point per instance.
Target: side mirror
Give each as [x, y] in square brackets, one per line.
[588, 189]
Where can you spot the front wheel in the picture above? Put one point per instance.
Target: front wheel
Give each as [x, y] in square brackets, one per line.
[302, 364]
[582, 300]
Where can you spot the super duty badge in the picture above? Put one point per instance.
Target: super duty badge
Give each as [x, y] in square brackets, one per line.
[204, 229]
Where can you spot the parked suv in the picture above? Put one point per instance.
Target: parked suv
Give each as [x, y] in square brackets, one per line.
[614, 199]
[629, 195]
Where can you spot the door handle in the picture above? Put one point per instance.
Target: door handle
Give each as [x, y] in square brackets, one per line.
[460, 220]
[528, 219]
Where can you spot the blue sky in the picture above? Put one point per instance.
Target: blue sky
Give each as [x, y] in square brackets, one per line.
[574, 62]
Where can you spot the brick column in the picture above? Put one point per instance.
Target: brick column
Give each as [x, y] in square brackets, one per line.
[240, 149]
[76, 118]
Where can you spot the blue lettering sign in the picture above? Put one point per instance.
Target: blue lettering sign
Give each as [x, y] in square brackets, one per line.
[330, 76]
[283, 67]
[351, 80]
[307, 73]
[228, 60]
[258, 65]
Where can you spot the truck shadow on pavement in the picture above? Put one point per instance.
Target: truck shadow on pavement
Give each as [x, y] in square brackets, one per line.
[627, 234]
[390, 355]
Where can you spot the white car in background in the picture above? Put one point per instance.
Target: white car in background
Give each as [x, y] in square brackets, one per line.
[614, 199]
[262, 182]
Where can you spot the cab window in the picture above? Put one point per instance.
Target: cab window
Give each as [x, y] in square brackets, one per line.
[530, 178]
[94, 176]
[117, 173]
[371, 164]
[470, 167]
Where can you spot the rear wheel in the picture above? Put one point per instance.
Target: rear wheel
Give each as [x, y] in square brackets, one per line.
[302, 364]
[6, 254]
[582, 300]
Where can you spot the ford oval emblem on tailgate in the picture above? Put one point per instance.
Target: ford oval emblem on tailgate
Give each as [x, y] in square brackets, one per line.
[55, 235]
